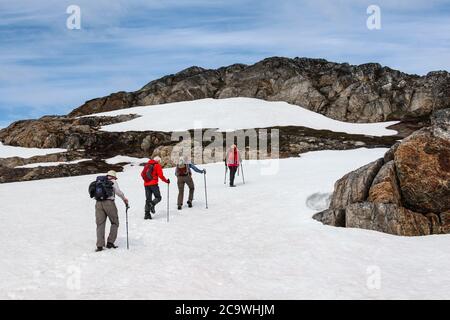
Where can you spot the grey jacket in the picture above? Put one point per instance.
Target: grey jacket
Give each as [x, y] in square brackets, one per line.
[117, 192]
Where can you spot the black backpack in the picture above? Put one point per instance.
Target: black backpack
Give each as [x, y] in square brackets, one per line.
[101, 189]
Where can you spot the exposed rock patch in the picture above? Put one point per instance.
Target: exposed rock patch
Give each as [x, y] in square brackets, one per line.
[423, 168]
[388, 218]
[64, 170]
[385, 188]
[405, 193]
[57, 131]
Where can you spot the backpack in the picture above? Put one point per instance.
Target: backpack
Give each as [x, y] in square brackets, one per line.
[101, 189]
[147, 174]
[182, 171]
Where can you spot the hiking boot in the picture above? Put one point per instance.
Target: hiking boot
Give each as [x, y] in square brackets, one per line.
[99, 249]
[152, 208]
[110, 245]
[232, 186]
[179, 207]
[189, 204]
[147, 216]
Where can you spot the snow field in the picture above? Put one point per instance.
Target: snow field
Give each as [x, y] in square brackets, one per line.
[232, 114]
[256, 241]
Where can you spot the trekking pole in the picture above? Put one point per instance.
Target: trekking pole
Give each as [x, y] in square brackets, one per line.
[206, 193]
[126, 216]
[242, 169]
[168, 189]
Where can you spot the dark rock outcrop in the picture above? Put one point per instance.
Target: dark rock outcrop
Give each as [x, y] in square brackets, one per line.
[57, 131]
[405, 193]
[364, 93]
[64, 170]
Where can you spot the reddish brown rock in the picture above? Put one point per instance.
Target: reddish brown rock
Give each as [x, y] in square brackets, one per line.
[423, 168]
[408, 196]
[385, 188]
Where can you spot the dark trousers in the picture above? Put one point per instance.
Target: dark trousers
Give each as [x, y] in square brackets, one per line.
[151, 191]
[233, 171]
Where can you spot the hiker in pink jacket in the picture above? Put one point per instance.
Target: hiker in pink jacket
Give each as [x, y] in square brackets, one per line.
[233, 161]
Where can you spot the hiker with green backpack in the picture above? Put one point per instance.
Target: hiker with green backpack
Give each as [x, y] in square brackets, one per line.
[104, 190]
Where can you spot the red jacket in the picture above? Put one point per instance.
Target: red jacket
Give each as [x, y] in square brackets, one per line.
[156, 173]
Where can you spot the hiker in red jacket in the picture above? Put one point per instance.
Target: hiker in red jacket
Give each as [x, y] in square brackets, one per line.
[151, 173]
[233, 161]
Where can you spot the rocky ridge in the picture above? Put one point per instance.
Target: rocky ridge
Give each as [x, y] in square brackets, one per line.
[363, 93]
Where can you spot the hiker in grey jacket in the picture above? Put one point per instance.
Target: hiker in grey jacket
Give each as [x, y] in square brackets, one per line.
[107, 209]
[184, 176]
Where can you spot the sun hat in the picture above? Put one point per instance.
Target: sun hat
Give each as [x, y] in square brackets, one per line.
[112, 173]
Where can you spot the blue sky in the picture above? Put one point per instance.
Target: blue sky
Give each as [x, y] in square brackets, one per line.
[46, 68]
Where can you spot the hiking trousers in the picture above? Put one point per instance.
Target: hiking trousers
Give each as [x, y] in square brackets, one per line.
[233, 170]
[106, 209]
[182, 180]
[150, 192]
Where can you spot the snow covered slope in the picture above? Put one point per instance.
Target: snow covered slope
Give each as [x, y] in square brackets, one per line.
[256, 241]
[232, 114]
[9, 151]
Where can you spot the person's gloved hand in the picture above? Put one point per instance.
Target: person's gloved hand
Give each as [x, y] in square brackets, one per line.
[168, 181]
[204, 171]
[127, 203]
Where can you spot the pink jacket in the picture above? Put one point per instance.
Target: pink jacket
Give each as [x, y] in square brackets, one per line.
[233, 158]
